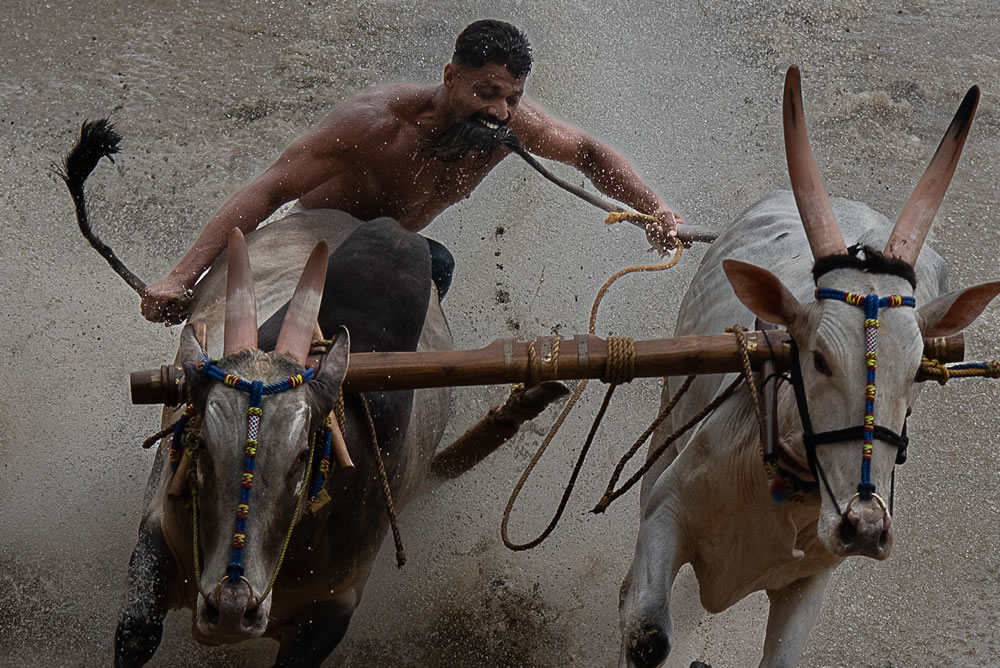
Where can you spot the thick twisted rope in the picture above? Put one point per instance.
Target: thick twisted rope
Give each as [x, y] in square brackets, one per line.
[755, 402]
[935, 370]
[386, 492]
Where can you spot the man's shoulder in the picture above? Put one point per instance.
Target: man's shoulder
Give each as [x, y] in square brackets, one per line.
[397, 97]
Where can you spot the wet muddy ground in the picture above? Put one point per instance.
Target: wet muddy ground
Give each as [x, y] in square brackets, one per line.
[207, 95]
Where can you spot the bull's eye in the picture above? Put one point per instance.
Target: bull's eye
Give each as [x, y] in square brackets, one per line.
[819, 362]
[301, 457]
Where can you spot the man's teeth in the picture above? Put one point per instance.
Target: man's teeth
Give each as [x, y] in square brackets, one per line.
[490, 125]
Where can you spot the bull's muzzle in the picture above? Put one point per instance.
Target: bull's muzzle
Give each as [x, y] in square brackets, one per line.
[865, 528]
[231, 612]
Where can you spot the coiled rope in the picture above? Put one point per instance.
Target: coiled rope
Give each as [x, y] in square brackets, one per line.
[619, 368]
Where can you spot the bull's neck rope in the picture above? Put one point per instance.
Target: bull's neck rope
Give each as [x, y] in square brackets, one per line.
[256, 389]
[871, 305]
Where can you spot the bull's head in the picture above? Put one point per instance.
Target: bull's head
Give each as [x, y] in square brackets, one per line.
[831, 339]
[243, 566]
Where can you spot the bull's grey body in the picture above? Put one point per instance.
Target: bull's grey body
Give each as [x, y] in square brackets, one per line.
[332, 551]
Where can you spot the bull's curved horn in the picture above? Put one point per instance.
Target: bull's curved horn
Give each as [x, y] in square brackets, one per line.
[810, 195]
[300, 318]
[917, 215]
[240, 331]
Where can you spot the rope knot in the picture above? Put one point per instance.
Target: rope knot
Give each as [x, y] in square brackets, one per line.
[934, 369]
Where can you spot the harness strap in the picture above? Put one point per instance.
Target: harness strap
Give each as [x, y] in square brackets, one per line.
[811, 439]
[808, 435]
[880, 432]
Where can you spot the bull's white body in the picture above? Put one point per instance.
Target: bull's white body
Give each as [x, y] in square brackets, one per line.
[707, 500]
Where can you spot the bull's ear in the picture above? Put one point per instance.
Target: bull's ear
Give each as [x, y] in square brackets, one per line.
[762, 292]
[334, 366]
[192, 353]
[191, 350]
[951, 313]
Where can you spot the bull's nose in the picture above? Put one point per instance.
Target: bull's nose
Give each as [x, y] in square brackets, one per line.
[231, 608]
[866, 528]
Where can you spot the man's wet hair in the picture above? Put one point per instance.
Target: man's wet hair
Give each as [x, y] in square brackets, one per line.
[491, 41]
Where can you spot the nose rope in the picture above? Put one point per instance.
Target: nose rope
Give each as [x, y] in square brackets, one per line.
[871, 305]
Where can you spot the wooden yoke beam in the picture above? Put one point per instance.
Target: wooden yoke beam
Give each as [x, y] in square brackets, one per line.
[547, 358]
[583, 356]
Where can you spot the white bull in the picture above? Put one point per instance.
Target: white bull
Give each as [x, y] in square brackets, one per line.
[707, 502]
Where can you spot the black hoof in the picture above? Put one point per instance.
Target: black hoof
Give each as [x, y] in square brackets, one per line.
[136, 642]
[648, 647]
[699, 664]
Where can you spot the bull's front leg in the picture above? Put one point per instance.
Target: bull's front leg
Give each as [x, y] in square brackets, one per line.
[790, 618]
[645, 606]
[141, 625]
[315, 631]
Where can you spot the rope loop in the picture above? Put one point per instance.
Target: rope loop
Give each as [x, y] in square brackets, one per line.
[934, 369]
[615, 217]
[619, 368]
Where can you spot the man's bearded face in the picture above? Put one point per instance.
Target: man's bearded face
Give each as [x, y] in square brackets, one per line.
[483, 100]
[471, 135]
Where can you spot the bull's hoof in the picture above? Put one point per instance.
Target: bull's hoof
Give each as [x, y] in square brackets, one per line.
[699, 664]
[136, 642]
[648, 646]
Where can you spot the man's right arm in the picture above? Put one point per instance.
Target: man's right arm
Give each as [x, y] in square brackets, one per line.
[307, 163]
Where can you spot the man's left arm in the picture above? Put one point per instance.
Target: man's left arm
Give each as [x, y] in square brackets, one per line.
[609, 171]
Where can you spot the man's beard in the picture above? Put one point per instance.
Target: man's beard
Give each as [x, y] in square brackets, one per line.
[470, 135]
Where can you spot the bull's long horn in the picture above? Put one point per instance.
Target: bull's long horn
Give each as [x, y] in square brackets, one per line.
[810, 194]
[241, 305]
[300, 318]
[915, 219]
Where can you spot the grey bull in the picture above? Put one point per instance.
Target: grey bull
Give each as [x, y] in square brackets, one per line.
[243, 520]
[711, 500]
[225, 529]
[330, 552]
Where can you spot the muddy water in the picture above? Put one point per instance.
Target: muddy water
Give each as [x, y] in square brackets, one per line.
[206, 96]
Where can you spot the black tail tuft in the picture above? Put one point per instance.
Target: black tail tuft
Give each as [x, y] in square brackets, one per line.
[98, 139]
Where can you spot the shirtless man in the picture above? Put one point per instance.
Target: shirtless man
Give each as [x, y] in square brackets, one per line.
[410, 151]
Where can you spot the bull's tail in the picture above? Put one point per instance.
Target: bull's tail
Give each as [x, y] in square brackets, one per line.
[98, 139]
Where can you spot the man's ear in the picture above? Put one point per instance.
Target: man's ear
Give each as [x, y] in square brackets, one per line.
[449, 75]
[951, 313]
[762, 292]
